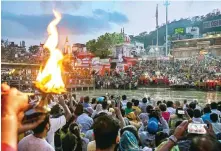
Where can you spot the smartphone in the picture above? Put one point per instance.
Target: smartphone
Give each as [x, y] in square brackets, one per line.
[181, 112]
[196, 128]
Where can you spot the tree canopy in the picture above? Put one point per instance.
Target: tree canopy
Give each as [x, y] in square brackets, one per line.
[33, 49]
[102, 46]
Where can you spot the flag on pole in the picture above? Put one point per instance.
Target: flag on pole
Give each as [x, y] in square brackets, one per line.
[157, 16]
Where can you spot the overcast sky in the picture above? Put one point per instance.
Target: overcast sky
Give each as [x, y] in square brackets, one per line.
[82, 21]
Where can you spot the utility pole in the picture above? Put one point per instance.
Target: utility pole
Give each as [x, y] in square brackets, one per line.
[157, 49]
[166, 5]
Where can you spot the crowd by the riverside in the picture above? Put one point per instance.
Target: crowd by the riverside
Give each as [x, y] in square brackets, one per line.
[116, 123]
[152, 72]
[192, 72]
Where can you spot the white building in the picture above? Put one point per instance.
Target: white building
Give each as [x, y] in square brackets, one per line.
[138, 48]
[128, 48]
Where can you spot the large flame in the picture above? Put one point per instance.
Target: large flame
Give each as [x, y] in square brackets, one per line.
[49, 79]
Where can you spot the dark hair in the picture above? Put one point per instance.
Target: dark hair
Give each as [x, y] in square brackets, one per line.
[41, 127]
[163, 107]
[158, 103]
[56, 111]
[160, 137]
[190, 112]
[169, 104]
[132, 100]
[213, 105]
[219, 107]
[66, 126]
[206, 142]
[214, 117]
[129, 105]
[104, 105]
[105, 127]
[192, 105]
[149, 108]
[197, 113]
[144, 100]
[177, 103]
[136, 102]
[100, 114]
[155, 114]
[76, 132]
[207, 109]
[79, 109]
[124, 97]
[86, 99]
[65, 96]
[93, 101]
[184, 101]
[72, 140]
[105, 98]
[112, 97]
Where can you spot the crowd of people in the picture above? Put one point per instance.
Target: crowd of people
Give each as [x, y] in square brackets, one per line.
[164, 73]
[109, 123]
[193, 72]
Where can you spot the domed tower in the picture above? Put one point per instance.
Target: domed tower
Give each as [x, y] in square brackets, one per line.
[125, 36]
[41, 50]
[67, 47]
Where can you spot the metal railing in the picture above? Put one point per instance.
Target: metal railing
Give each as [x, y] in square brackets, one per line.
[80, 83]
[72, 83]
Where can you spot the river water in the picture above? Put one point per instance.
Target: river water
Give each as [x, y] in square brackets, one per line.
[157, 94]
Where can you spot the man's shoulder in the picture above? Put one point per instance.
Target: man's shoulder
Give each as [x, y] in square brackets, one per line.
[26, 139]
[30, 142]
[61, 118]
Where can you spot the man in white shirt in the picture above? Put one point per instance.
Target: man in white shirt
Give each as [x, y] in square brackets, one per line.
[170, 108]
[185, 104]
[124, 101]
[36, 141]
[143, 105]
[57, 123]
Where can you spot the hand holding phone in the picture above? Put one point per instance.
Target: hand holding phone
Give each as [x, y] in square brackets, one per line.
[196, 128]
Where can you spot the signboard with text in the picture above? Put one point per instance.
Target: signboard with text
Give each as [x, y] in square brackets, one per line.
[212, 23]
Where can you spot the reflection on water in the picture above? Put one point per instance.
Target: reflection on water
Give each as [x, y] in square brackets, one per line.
[158, 94]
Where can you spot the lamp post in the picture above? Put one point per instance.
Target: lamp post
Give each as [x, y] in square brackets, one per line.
[166, 5]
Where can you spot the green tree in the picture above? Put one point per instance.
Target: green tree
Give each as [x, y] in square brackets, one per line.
[103, 45]
[33, 49]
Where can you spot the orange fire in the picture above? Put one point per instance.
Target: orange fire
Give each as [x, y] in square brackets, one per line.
[49, 79]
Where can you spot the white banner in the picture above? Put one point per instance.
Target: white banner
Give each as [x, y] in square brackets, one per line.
[96, 61]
